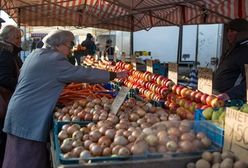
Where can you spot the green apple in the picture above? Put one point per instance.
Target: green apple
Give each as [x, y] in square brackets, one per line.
[207, 113]
[244, 108]
[216, 115]
[222, 118]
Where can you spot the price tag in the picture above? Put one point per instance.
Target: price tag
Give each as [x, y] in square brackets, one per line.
[246, 74]
[149, 65]
[173, 72]
[236, 133]
[205, 78]
[133, 62]
[119, 99]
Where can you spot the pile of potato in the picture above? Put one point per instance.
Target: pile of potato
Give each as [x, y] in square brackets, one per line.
[218, 160]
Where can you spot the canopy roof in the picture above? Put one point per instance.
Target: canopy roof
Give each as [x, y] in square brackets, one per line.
[125, 15]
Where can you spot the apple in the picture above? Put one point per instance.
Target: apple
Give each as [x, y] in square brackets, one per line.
[174, 87]
[216, 102]
[203, 98]
[190, 116]
[181, 102]
[163, 91]
[187, 104]
[128, 66]
[209, 99]
[169, 84]
[204, 107]
[198, 106]
[154, 77]
[171, 97]
[159, 80]
[192, 106]
[164, 81]
[178, 89]
[167, 103]
[198, 97]
[183, 92]
[173, 106]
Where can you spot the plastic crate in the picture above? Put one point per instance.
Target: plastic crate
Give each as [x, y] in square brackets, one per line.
[214, 132]
[58, 126]
[198, 115]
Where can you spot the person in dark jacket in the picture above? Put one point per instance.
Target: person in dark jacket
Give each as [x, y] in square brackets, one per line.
[109, 50]
[229, 77]
[10, 64]
[89, 47]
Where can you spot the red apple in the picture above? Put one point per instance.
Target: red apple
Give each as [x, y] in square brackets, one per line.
[216, 102]
[183, 92]
[169, 84]
[178, 89]
[187, 104]
[198, 106]
[164, 81]
[198, 97]
[171, 97]
[159, 80]
[192, 95]
[204, 107]
[209, 99]
[173, 106]
[203, 98]
[174, 87]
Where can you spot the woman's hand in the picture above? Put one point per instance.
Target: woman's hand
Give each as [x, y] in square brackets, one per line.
[223, 96]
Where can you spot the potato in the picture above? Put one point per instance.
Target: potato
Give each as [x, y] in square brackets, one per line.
[216, 157]
[240, 164]
[226, 163]
[207, 156]
[216, 165]
[202, 164]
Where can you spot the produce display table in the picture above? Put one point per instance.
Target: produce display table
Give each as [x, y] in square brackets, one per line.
[168, 162]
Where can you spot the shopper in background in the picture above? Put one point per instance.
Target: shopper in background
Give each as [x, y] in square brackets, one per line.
[89, 47]
[1, 21]
[193, 76]
[44, 74]
[10, 64]
[229, 77]
[109, 50]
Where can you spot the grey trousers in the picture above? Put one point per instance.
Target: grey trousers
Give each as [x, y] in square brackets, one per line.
[23, 153]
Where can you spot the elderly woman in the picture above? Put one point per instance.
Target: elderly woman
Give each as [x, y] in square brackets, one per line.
[10, 41]
[44, 74]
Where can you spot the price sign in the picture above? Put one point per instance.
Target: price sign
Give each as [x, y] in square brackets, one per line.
[149, 65]
[246, 74]
[173, 72]
[133, 62]
[236, 133]
[205, 78]
[119, 99]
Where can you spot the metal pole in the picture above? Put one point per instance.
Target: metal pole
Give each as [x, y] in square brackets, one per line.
[180, 42]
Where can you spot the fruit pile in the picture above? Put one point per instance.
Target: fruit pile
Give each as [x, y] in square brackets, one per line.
[151, 86]
[100, 64]
[184, 101]
[217, 115]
